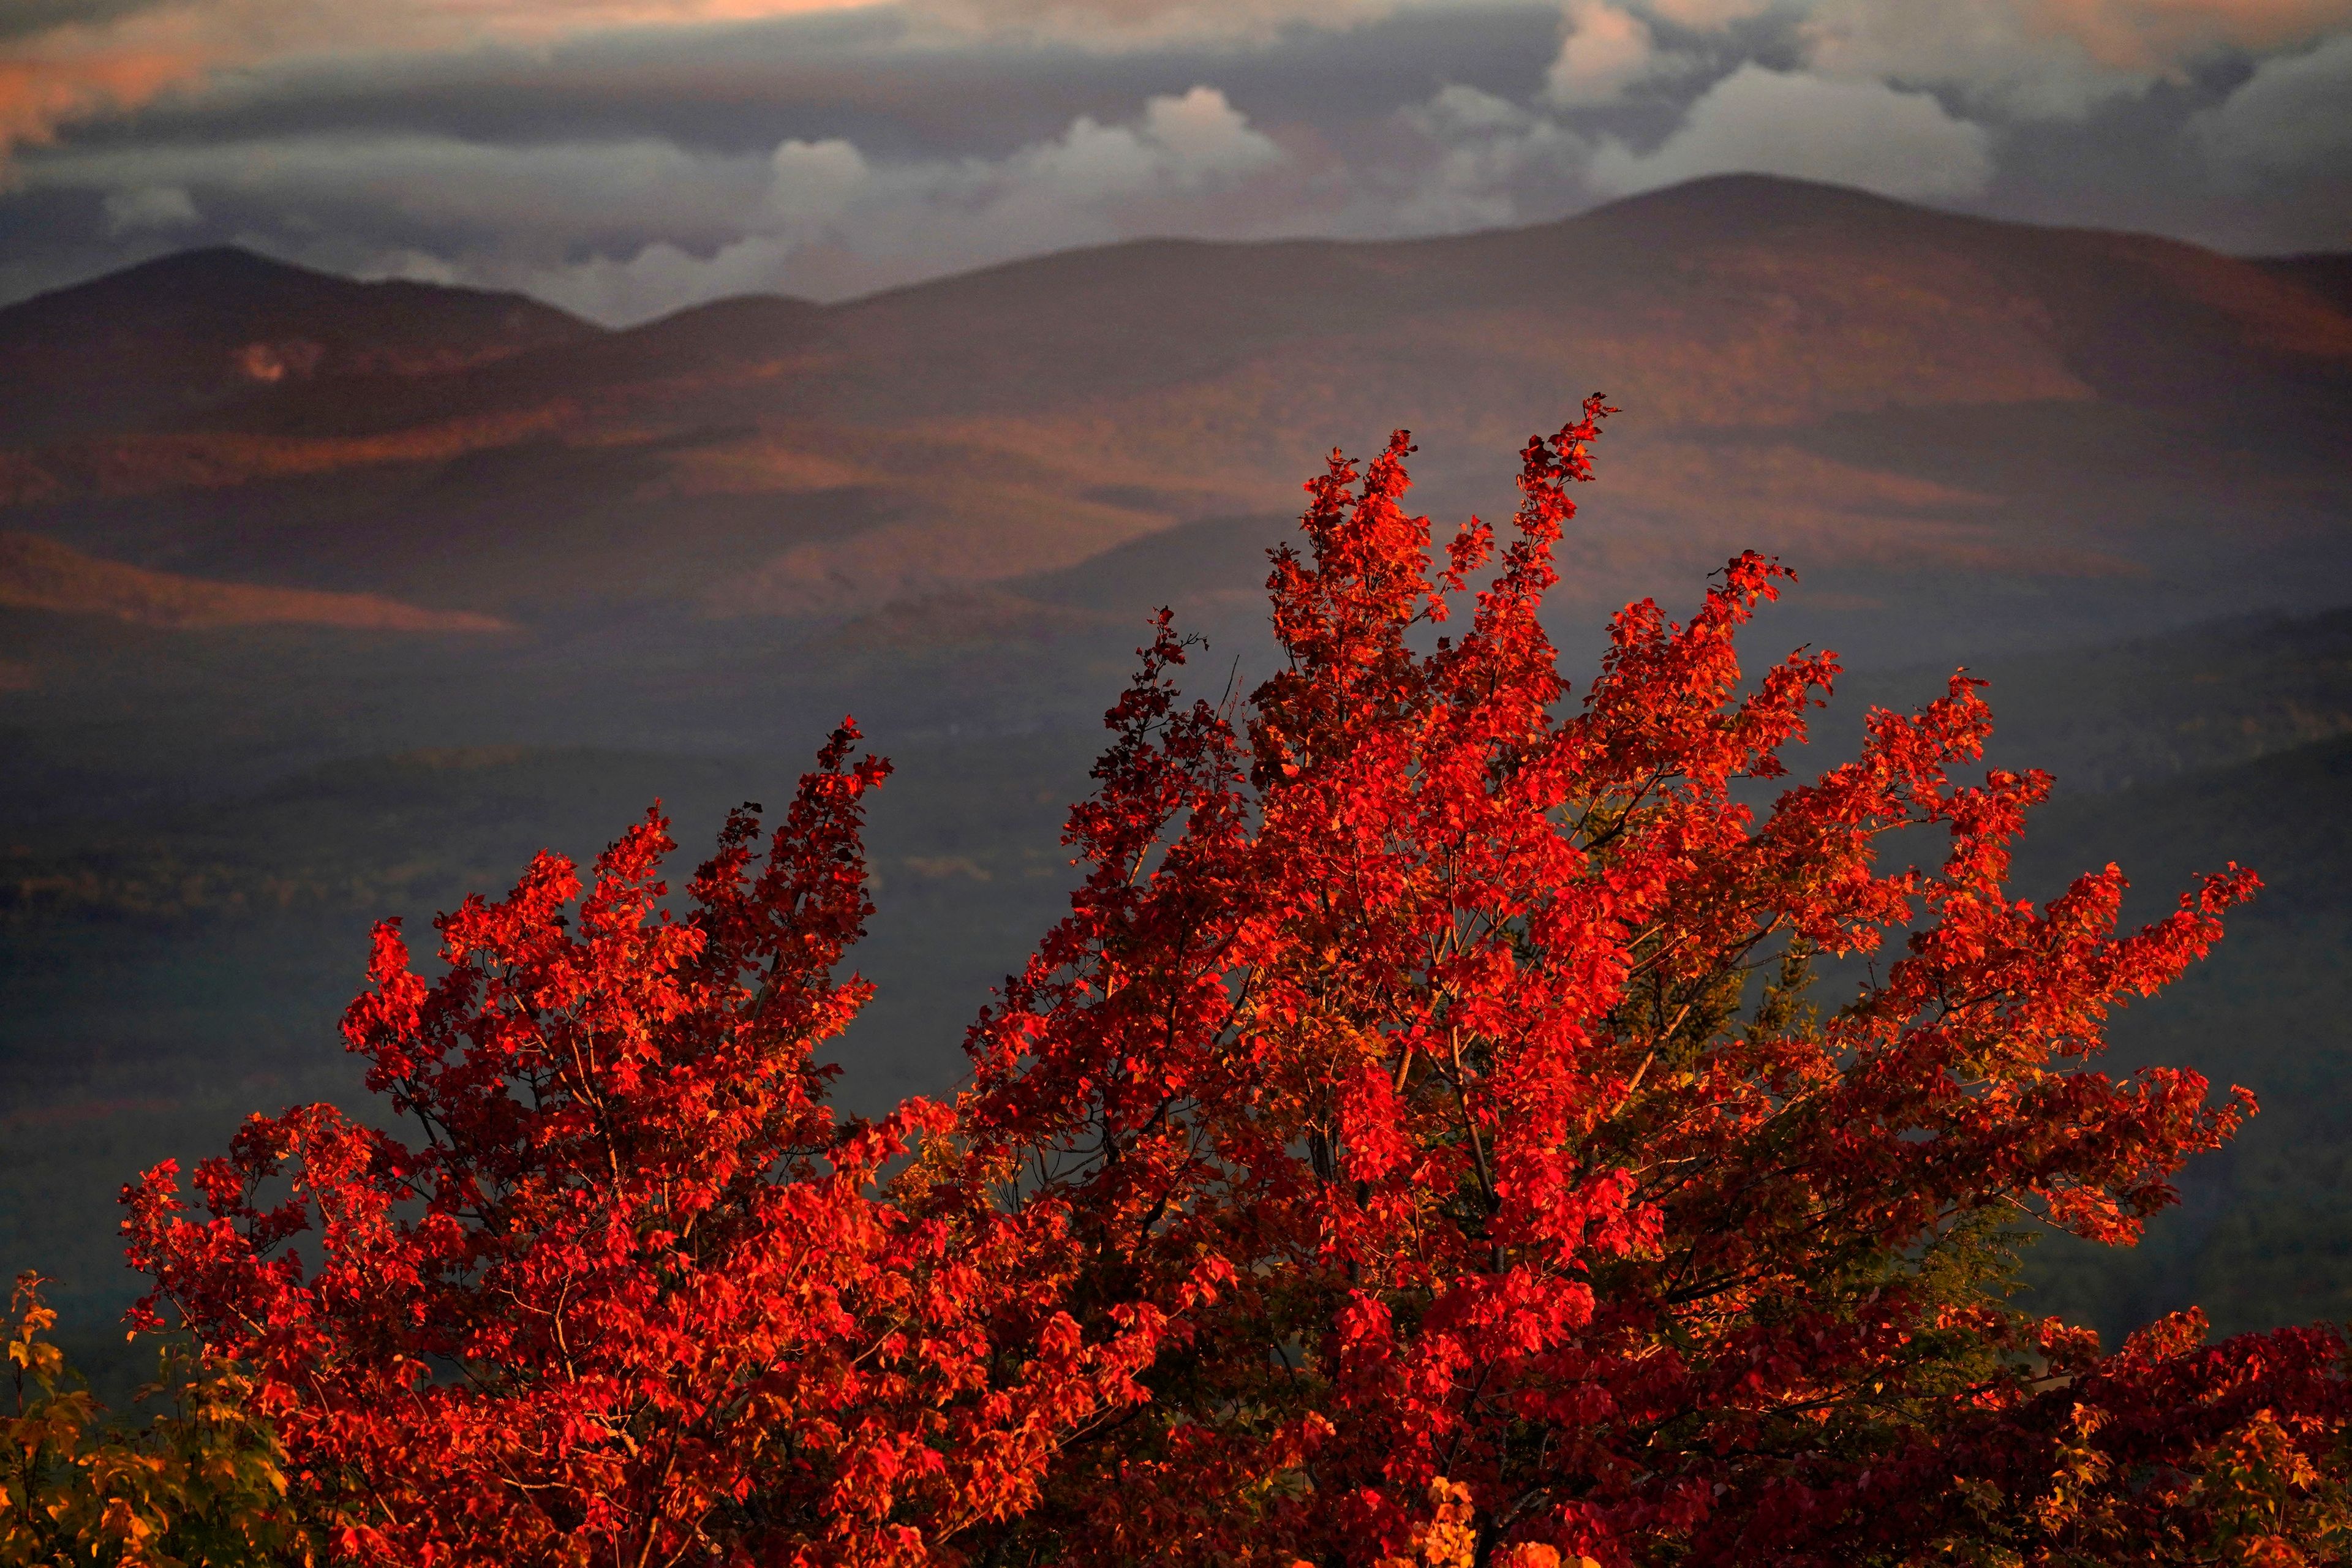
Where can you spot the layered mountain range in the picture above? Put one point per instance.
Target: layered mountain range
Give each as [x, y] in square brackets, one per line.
[1945, 417]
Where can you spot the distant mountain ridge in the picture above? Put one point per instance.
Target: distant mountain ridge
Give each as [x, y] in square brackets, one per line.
[1889, 395]
[42, 575]
[2327, 273]
[174, 338]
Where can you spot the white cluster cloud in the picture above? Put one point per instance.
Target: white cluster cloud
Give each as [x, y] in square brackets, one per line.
[1180, 143]
[812, 216]
[2293, 112]
[149, 206]
[830, 222]
[1995, 54]
[813, 181]
[1852, 130]
[1757, 121]
[1488, 150]
[2049, 58]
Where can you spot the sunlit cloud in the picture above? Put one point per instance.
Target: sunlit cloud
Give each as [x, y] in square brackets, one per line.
[2161, 35]
[84, 70]
[1607, 50]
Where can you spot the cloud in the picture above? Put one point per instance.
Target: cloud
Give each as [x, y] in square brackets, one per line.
[1984, 49]
[814, 218]
[81, 71]
[813, 181]
[2161, 35]
[440, 186]
[1786, 123]
[2031, 56]
[658, 279]
[2049, 59]
[1125, 23]
[1181, 143]
[2294, 113]
[564, 196]
[1707, 15]
[149, 206]
[627, 156]
[1458, 111]
[121, 60]
[1606, 50]
[1492, 157]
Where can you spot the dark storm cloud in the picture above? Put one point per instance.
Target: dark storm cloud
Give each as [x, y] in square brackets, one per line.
[653, 162]
[872, 77]
[22, 18]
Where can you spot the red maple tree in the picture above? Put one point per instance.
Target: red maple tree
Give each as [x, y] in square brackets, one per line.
[639, 1296]
[1423, 1143]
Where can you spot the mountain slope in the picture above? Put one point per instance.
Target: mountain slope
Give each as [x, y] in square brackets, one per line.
[41, 574]
[2327, 273]
[2261, 1235]
[178, 337]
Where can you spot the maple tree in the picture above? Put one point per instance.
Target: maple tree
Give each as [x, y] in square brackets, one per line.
[1430, 1137]
[639, 1296]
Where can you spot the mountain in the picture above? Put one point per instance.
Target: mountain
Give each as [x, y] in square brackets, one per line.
[1950, 423]
[178, 338]
[2327, 273]
[38, 574]
[2261, 1236]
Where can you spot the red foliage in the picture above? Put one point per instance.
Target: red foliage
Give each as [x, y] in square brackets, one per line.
[1417, 1144]
[639, 1297]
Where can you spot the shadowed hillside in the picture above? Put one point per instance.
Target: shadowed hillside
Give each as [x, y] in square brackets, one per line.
[2260, 1237]
[42, 575]
[2327, 273]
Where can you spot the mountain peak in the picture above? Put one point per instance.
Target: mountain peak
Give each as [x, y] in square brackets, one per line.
[207, 266]
[1716, 204]
[184, 333]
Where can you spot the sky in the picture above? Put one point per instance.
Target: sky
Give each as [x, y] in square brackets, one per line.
[627, 158]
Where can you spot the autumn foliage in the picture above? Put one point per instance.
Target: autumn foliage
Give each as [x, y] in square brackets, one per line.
[1460, 1121]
